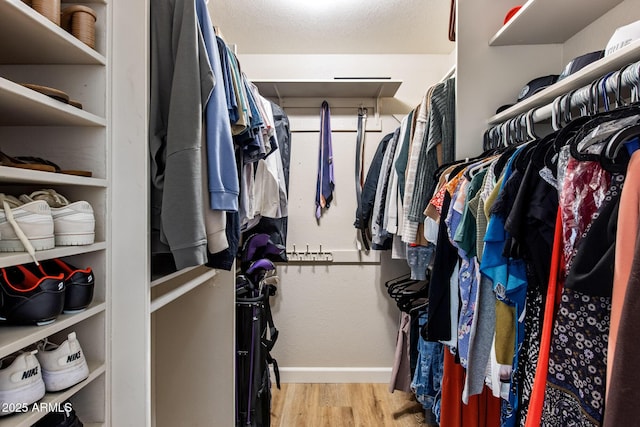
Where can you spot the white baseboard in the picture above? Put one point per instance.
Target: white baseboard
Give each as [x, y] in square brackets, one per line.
[334, 375]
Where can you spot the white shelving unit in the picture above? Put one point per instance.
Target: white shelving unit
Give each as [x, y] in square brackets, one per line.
[35, 50]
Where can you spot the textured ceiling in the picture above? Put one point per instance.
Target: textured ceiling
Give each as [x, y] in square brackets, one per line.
[334, 26]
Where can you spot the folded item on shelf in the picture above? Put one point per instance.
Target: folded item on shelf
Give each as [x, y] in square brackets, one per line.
[32, 160]
[54, 93]
[6, 160]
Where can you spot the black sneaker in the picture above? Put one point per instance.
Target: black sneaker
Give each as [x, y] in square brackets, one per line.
[26, 298]
[78, 283]
[65, 418]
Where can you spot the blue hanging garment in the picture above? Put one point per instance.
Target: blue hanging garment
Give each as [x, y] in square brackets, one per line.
[325, 183]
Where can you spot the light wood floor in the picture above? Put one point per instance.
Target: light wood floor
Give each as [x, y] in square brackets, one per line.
[342, 405]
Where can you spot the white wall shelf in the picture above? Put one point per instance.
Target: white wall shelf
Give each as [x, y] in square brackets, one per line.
[328, 88]
[27, 176]
[14, 338]
[585, 76]
[28, 418]
[550, 21]
[14, 258]
[168, 289]
[26, 37]
[20, 106]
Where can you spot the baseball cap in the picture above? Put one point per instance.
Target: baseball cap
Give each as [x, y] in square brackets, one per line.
[536, 85]
[531, 88]
[580, 62]
[622, 36]
[510, 14]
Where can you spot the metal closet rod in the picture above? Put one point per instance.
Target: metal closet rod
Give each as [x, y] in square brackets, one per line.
[614, 82]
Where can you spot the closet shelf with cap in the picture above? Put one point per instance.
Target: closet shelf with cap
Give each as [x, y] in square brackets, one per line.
[585, 76]
[550, 21]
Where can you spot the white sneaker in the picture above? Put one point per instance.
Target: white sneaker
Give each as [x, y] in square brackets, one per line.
[20, 382]
[63, 365]
[25, 227]
[74, 223]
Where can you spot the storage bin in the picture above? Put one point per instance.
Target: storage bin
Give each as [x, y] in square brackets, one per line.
[81, 22]
[47, 8]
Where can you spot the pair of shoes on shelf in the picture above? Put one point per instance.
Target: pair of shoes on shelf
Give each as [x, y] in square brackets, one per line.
[42, 220]
[39, 164]
[38, 294]
[65, 417]
[26, 376]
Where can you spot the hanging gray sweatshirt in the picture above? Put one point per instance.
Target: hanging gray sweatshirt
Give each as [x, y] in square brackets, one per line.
[181, 83]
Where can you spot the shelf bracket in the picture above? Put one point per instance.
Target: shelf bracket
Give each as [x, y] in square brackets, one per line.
[275, 89]
[376, 110]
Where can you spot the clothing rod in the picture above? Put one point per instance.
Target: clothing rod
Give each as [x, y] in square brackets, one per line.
[581, 97]
[450, 73]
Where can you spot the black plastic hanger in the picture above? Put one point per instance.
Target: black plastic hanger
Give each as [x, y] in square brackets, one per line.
[618, 140]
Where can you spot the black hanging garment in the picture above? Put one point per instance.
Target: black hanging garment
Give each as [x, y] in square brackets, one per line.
[364, 210]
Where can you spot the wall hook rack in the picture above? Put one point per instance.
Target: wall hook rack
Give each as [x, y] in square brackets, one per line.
[308, 255]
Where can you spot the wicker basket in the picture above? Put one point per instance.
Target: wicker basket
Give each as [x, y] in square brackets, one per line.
[81, 22]
[48, 8]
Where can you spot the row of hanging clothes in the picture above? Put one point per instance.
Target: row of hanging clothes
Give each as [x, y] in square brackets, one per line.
[390, 217]
[530, 247]
[219, 151]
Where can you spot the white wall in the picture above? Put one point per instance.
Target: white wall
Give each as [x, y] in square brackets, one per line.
[336, 322]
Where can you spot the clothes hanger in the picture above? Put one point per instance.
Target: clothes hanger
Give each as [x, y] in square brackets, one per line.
[530, 125]
[396, 280]
[618, 140]
[617, 90]
[555, 114]
[604, 92]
